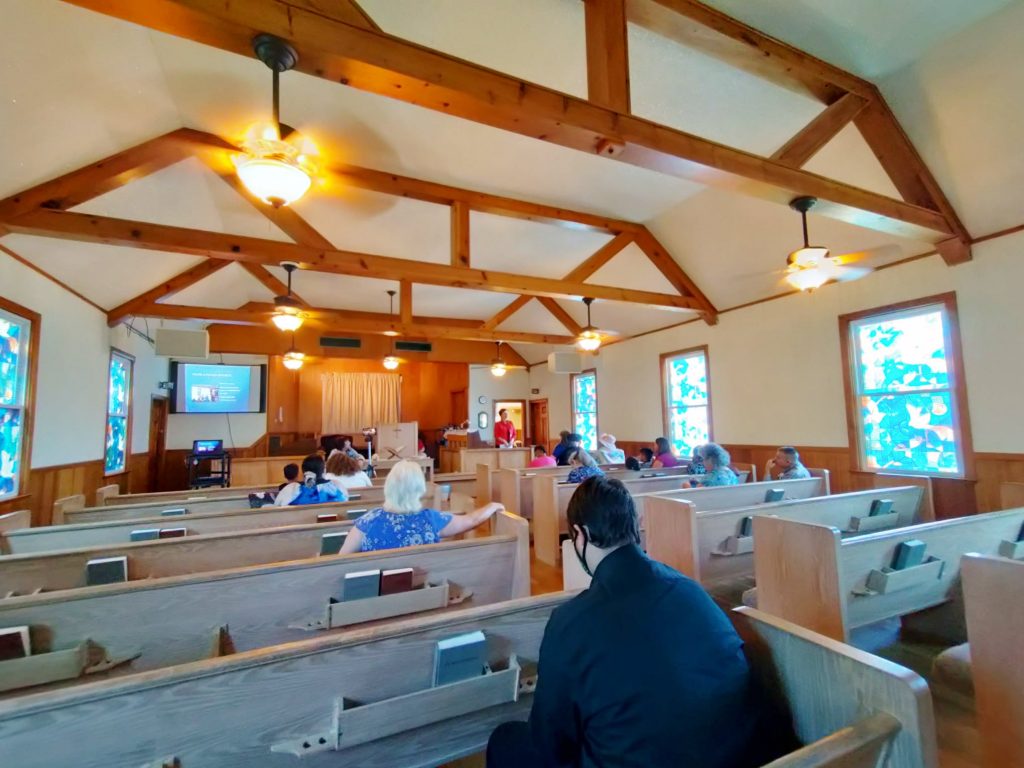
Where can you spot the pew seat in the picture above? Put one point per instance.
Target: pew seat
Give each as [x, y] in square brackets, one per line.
[952, 670]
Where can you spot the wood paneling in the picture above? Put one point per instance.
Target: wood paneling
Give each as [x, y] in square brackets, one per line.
[49, 483]
[994, 469]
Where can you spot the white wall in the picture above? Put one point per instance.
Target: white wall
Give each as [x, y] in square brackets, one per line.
[238, 430]
[776, 371]
[555, 388]
[514, 385]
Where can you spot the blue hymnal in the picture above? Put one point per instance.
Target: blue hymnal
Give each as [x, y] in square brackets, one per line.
[331, 543]
[173, 512]
[774, 494]
[908, 554]
[145, 534]
[880, 507]
[355, 514]
[360, 585]
[746, 526]
[460, 657]
[106, 570]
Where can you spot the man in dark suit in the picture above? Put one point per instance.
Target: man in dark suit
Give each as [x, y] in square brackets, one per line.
[641, 669]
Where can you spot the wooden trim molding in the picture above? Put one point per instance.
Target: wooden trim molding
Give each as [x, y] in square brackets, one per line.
[665, 357]
[114, 351]
[31, 378]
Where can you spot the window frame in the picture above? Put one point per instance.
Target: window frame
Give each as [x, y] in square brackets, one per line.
[28, 400]
[663, 361]
[597, 403]
[115, 352]
[957, 385]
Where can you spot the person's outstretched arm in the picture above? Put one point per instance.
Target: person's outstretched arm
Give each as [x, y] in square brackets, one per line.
[462, 523]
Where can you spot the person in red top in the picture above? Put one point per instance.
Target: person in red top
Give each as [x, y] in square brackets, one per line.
[504, 430]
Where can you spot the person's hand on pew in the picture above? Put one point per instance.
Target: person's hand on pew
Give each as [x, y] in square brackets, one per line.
[469, 520]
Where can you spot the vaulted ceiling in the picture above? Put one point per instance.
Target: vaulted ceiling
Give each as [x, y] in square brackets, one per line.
[79, 86]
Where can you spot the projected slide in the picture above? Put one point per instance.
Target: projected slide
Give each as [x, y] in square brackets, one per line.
[217, 388]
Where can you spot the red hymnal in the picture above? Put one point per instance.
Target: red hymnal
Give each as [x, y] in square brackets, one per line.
[14, 643]
[395, 581]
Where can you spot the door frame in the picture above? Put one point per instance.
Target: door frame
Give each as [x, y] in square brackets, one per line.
[533, 436]
[157, 448]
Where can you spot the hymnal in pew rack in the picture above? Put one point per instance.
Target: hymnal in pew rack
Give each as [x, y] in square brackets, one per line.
[429, 597]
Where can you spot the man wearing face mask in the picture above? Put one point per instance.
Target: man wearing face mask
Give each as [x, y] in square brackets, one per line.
[641, 669]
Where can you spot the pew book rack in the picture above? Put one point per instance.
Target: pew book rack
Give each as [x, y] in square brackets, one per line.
[86, 658]
[345, 613]
[354, 723]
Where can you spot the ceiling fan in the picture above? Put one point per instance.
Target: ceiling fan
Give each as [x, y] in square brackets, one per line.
[499, 367]
[288, 309]
[590, 338]
[812, 266]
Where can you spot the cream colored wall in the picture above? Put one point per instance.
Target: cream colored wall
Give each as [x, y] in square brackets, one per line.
[775, 368]
[555, 388]
[514, 385]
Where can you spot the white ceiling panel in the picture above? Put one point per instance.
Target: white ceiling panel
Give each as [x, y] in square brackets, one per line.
[849, 159]
[625, 318]
[528, 247]
[533, 318]
[320, 289]
[228, 288]
[186, 194]
[106, 274]
[632, 269]
[439, 301]
[370, 222]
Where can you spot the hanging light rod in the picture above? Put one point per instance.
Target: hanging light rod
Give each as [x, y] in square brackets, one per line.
[391, 362]
[286, 315]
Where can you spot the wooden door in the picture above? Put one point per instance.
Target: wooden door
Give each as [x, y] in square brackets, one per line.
[539, 422]
[157, 440]
[460, 406]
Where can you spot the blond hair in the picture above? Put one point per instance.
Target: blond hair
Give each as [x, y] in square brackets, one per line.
[404, 487]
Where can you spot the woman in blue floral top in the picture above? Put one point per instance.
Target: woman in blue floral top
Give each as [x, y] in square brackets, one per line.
[716, 463]
[403, 521]
[583, 466]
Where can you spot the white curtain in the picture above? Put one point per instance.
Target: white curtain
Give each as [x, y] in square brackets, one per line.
[352, 401]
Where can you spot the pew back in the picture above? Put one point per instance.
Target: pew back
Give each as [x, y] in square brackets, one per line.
[809, 574]
[993, 589]
[15, 521]
[1011, 495]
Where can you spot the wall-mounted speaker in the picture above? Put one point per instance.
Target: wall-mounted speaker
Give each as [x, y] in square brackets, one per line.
[176, 343]
[564, 362]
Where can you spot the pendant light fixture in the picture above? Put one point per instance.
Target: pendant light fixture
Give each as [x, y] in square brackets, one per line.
[293, 359]
[391, 362]
[589, 339]
[277, 165]
[286, 308]
[498, 367]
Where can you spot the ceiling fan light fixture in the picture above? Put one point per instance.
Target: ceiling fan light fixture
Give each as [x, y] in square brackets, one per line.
[498, 369]
[808, 257]
[807, 279]
[589, 340]
[391, 362]
[293, 360]
[287, 321]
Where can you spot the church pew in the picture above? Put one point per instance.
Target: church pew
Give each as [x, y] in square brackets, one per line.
[884, 480]
[807, 573]
[109, 495]
[548, 524]
[707, 545]
[14, 521]
[158, 623]
[264, 707]
[54, 538]
[993, 588]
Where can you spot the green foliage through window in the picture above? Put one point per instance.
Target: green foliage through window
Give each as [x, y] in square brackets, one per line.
[584, 408]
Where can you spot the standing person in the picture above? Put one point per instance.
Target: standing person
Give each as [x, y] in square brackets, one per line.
[786, 465]
[541, 458]
[504, 430]
[563, 445]
[716, 462]
[663, 456]
[583, 466]
[641, 669]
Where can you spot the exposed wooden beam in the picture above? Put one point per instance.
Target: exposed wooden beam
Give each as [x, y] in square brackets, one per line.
[111, 172]
[405, 302]
[460, 234]
[561, 315]
[43, 273]
[275, 286]
[601, 256]
[341, 320]
[507, 312]
[607, 54]
[675, 274]
[378, 63]
[348, 11]
[820, 131]
[157, 237]
[177, 283]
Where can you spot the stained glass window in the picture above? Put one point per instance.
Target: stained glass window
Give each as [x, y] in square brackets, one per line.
[584, 408]
[904, 391]
[119, 403]
[14, 352]
[687, 401]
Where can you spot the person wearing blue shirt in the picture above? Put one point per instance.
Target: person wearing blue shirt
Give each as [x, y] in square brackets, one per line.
[786, 465]
[716, 463]
[641, 669]
[583, 466]
[311, 488]
[403, 521]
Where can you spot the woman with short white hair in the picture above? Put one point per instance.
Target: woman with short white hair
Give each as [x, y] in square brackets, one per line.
[716, 461]
[403, 521]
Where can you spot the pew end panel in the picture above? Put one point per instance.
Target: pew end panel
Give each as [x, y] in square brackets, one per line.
[993, 588]
[829, 687]
[67, 504]
[17, 520]
[545, 519]
[507, 523]
[825, 476]
[671, 527]
[796, 566]
[485, 490]
[105, 492]
[514, 492]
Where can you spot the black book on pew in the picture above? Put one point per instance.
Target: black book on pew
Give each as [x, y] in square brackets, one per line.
[774, 494]
[15, 643]
[908, 554]
[1020, 535]
[360, 585]
[460, 657]
[880, 507]
[106, 570]
[331, 543]
[145, 534]
[174, 512]
[747, 526]
[261, 499]
[355, 514]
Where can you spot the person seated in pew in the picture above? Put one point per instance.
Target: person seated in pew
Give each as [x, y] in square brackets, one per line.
[573, 441]
[291, 474]
[314, 488]
[697, 463]
[716, 465]
[344, 472]
[786, 465]
[646, 458]
[640, 669]
[633, 463]
[583, 466]
[541, 458]
[563, 445]
[612, 452]
[403, 521]
[663, 454]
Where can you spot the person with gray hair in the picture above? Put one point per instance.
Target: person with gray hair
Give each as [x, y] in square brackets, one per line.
[583, 466]
[403, 521]
[786, 465]
[716, 462]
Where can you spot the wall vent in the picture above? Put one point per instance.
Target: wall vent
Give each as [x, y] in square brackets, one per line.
[340, 342]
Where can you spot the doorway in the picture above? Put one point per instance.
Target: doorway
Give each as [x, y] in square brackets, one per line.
[539, 423]
[460, 407]
[516, 414]
[157, 441]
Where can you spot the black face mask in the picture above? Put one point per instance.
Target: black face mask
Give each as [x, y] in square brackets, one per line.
[582, 557]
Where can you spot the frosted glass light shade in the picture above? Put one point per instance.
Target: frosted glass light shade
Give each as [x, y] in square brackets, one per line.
[391, 362]
[286, 321]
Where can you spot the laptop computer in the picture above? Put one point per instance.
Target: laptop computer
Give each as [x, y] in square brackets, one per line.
[207, 447]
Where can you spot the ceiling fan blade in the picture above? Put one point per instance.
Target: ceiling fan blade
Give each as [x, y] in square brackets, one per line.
[881, 252]
[846, 274]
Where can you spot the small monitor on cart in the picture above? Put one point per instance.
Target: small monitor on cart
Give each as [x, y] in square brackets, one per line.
[207, 447]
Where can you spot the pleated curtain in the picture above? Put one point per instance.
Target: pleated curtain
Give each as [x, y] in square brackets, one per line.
[352, 401]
